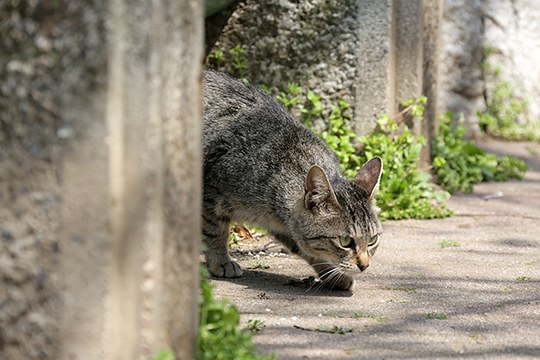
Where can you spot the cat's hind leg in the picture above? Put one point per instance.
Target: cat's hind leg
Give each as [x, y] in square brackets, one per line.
[216, 234]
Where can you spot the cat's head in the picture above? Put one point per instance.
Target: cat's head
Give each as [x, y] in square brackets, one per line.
[337, 220]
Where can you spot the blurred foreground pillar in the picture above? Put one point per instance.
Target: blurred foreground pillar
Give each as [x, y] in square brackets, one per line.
[132, 185]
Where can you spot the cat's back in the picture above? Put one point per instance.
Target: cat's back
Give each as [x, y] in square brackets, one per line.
[231, 105]
[247, 128]
[223, 94]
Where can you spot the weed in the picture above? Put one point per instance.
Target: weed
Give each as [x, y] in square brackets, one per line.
[523, 278]
[506, 113]
[437, 316]
[164, 355]
[459, 164]
[234, 60]
[238, 60]
[289, 98]
[220, 334]
[449, 243]
[259, 265]
[234, 238]
[361, 315]
[406, 192]
[255, 325]
[334, 329]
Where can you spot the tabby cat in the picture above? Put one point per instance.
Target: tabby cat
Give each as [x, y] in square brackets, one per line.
[262, 166]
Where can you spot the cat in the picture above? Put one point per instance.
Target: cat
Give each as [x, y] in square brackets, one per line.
[262, 166]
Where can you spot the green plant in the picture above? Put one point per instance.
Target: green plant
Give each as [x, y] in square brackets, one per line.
[312, 109]
[506, 113]
[216, 59]
[406, 191]
[335, 131]
[238, 60]
[234, 239]
[220, 334]
[342, 140]
[259, 265]
[164, 355]
[334, 329]
[509, 167]
[459, 164]
[233, 61]
[437, 316]
[449, 243]
[255, 325]
[290, 97]
[362, 315]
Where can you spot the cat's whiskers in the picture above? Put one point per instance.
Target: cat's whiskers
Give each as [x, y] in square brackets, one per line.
[331, 277]
[325, 274]
[336, 277]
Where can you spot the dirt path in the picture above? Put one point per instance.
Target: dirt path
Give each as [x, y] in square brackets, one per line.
[463, 287]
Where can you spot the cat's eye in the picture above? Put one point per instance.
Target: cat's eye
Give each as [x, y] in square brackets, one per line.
[346, 242]
[374, 239]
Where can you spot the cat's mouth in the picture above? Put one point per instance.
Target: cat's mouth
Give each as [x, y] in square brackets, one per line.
[351, 268]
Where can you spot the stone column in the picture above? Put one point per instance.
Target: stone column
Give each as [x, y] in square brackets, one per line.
[407, 53]
[432, 22]
[398, 60]
[133, 190]
[375, 77]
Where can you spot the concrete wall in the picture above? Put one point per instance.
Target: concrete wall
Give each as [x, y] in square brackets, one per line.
[373, 54]
[315, 44]
[99, 178]
[512, 30]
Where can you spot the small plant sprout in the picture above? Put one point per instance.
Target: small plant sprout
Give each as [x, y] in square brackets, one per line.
[259, 265]
[362, 315]
[255, 325]
[334, 329]
[437, 316]
[449, 243]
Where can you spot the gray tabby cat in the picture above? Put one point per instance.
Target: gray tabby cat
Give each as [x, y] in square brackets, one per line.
[261, 166]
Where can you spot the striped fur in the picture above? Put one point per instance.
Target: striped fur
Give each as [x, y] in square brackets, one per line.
[263, 167]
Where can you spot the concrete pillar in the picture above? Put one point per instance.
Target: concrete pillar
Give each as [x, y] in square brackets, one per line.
[398, 60]
[375, 69]
[390, 64]
[133, 191]
[432, 22]
[407, 51]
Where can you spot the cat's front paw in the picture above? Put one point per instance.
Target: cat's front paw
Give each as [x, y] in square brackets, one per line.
[341, 281]
[229, 269]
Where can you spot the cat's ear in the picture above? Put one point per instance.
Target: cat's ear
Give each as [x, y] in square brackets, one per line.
[319, 197]
[369, 176]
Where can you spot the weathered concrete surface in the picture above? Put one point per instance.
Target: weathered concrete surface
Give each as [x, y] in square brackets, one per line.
[41, 73]
[511, 29]
[370, 53]
[480, 299]
[100, 178]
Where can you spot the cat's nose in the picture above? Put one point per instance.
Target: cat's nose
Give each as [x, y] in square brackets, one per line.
[362, 261]
[363, 267]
